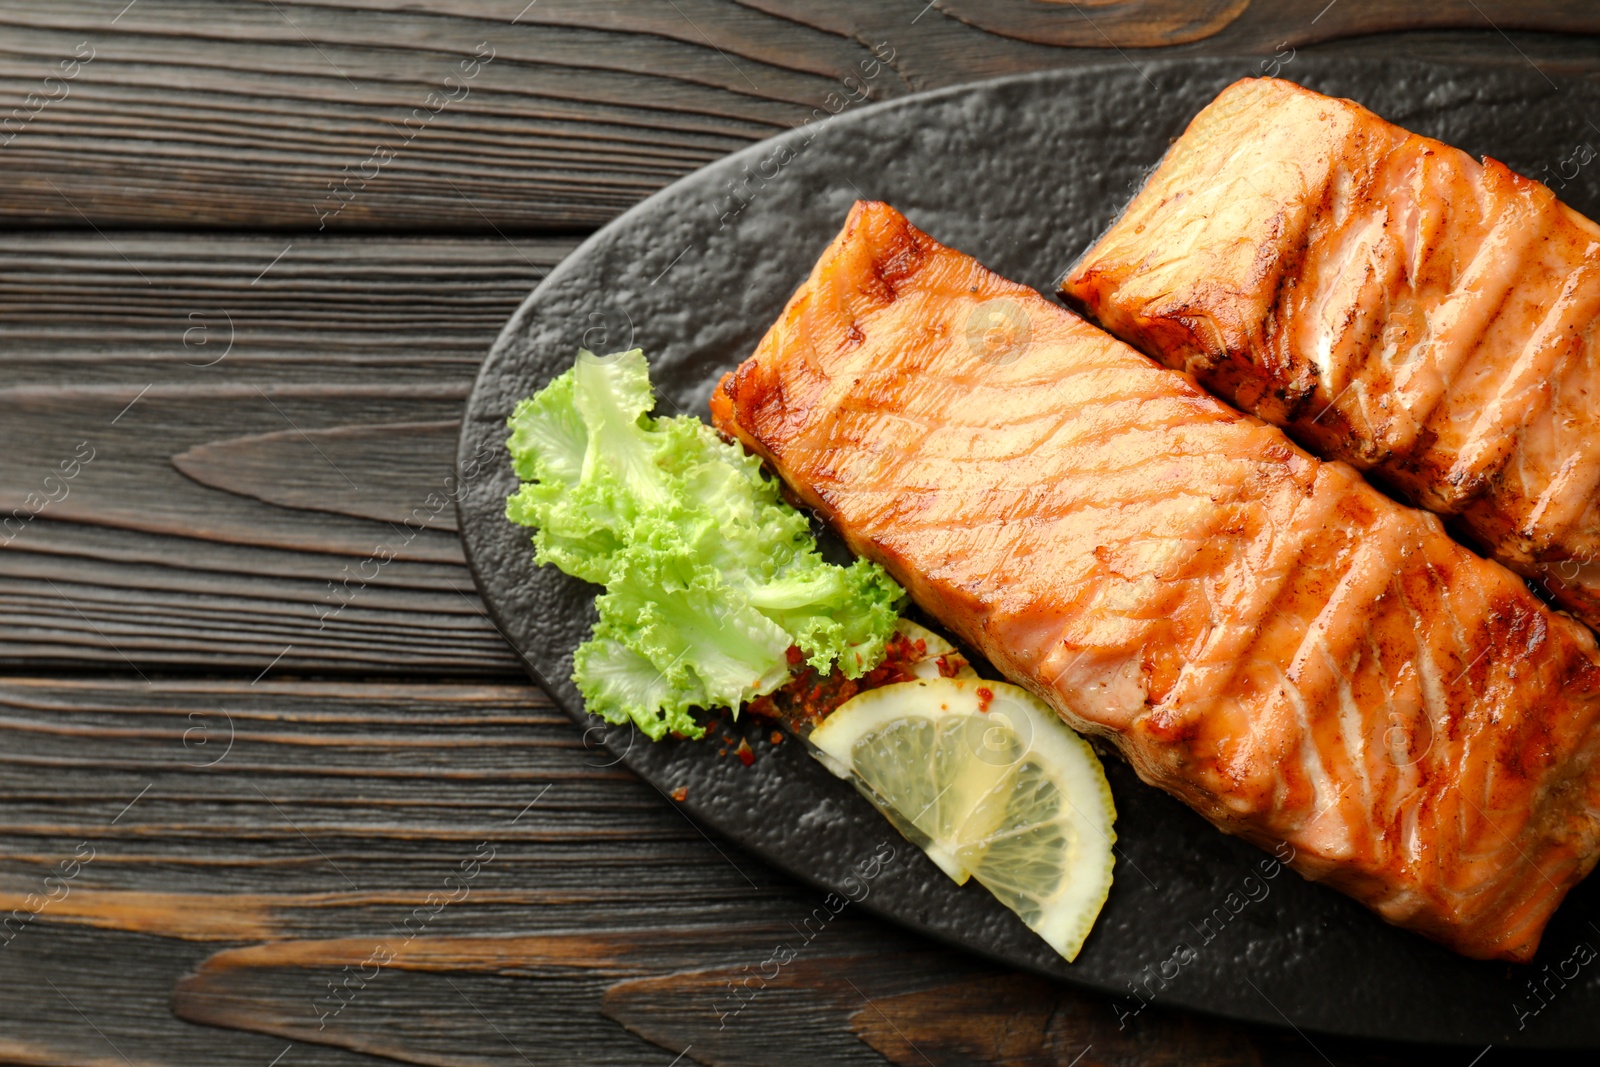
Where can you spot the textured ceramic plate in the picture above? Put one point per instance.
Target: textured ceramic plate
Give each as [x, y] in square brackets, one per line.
[1022, 173]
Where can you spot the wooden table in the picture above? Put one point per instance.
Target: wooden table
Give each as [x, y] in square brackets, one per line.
[268, 800]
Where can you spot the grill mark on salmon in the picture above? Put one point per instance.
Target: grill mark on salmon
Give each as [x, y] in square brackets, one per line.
[1388, 300]
[1261, 634]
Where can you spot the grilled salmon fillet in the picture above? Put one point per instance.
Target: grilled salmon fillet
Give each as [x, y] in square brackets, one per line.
[1295, 655]
[1390, 301]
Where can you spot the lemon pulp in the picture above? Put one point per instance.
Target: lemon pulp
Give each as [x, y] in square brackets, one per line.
[990, 784]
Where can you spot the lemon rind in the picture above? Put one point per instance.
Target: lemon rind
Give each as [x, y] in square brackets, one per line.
[1068, 915]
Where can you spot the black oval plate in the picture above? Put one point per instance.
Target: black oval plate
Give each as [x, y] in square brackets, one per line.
[1022, 173]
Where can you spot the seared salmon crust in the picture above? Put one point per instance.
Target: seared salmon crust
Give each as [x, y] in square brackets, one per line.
[1390, 301]
[1265, 636]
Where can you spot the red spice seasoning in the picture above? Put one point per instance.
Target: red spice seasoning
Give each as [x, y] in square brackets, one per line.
[777, 737]
[985, 698]
[681, 794]
[745, 753]
[809, 697]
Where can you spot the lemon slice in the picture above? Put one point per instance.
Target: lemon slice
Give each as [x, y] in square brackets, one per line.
[985, 779]
[933, 647]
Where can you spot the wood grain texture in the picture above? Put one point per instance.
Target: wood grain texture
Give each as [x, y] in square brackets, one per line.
[1123, 24]
[932, 1009]
[95, 998]
[267, 114]
[1020, 1020]
[304, 116]
[834, 1003]
[328, 804]
[753, 1016]
[1357, 17]
[263, 436]
[322, 817]
[1097, 23]
[362, 993]
[253, 466]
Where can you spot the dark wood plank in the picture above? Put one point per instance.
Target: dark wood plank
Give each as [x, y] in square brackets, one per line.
[253, 466]
[129, 309]
[1152, 24]
[760, 1014]
[453, 1001]
[177, 541]
[336, 807]
[931, 1009]
[466, 826]
[1133, 24]
[923, 1008]
[91, 998]
[265, 114]
[920, 1008]
[1020, 1020]
[294, 115]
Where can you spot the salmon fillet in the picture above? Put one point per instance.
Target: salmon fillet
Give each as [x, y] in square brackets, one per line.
[1265, 636]
[1390, 301]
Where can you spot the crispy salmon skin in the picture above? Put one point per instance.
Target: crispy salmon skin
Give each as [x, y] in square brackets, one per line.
[1390, 301]
[1261, 634]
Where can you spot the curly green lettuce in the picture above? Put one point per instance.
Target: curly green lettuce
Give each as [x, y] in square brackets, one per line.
[710, 576]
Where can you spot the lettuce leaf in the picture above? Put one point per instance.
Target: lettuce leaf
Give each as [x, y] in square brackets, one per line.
[710, 576]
